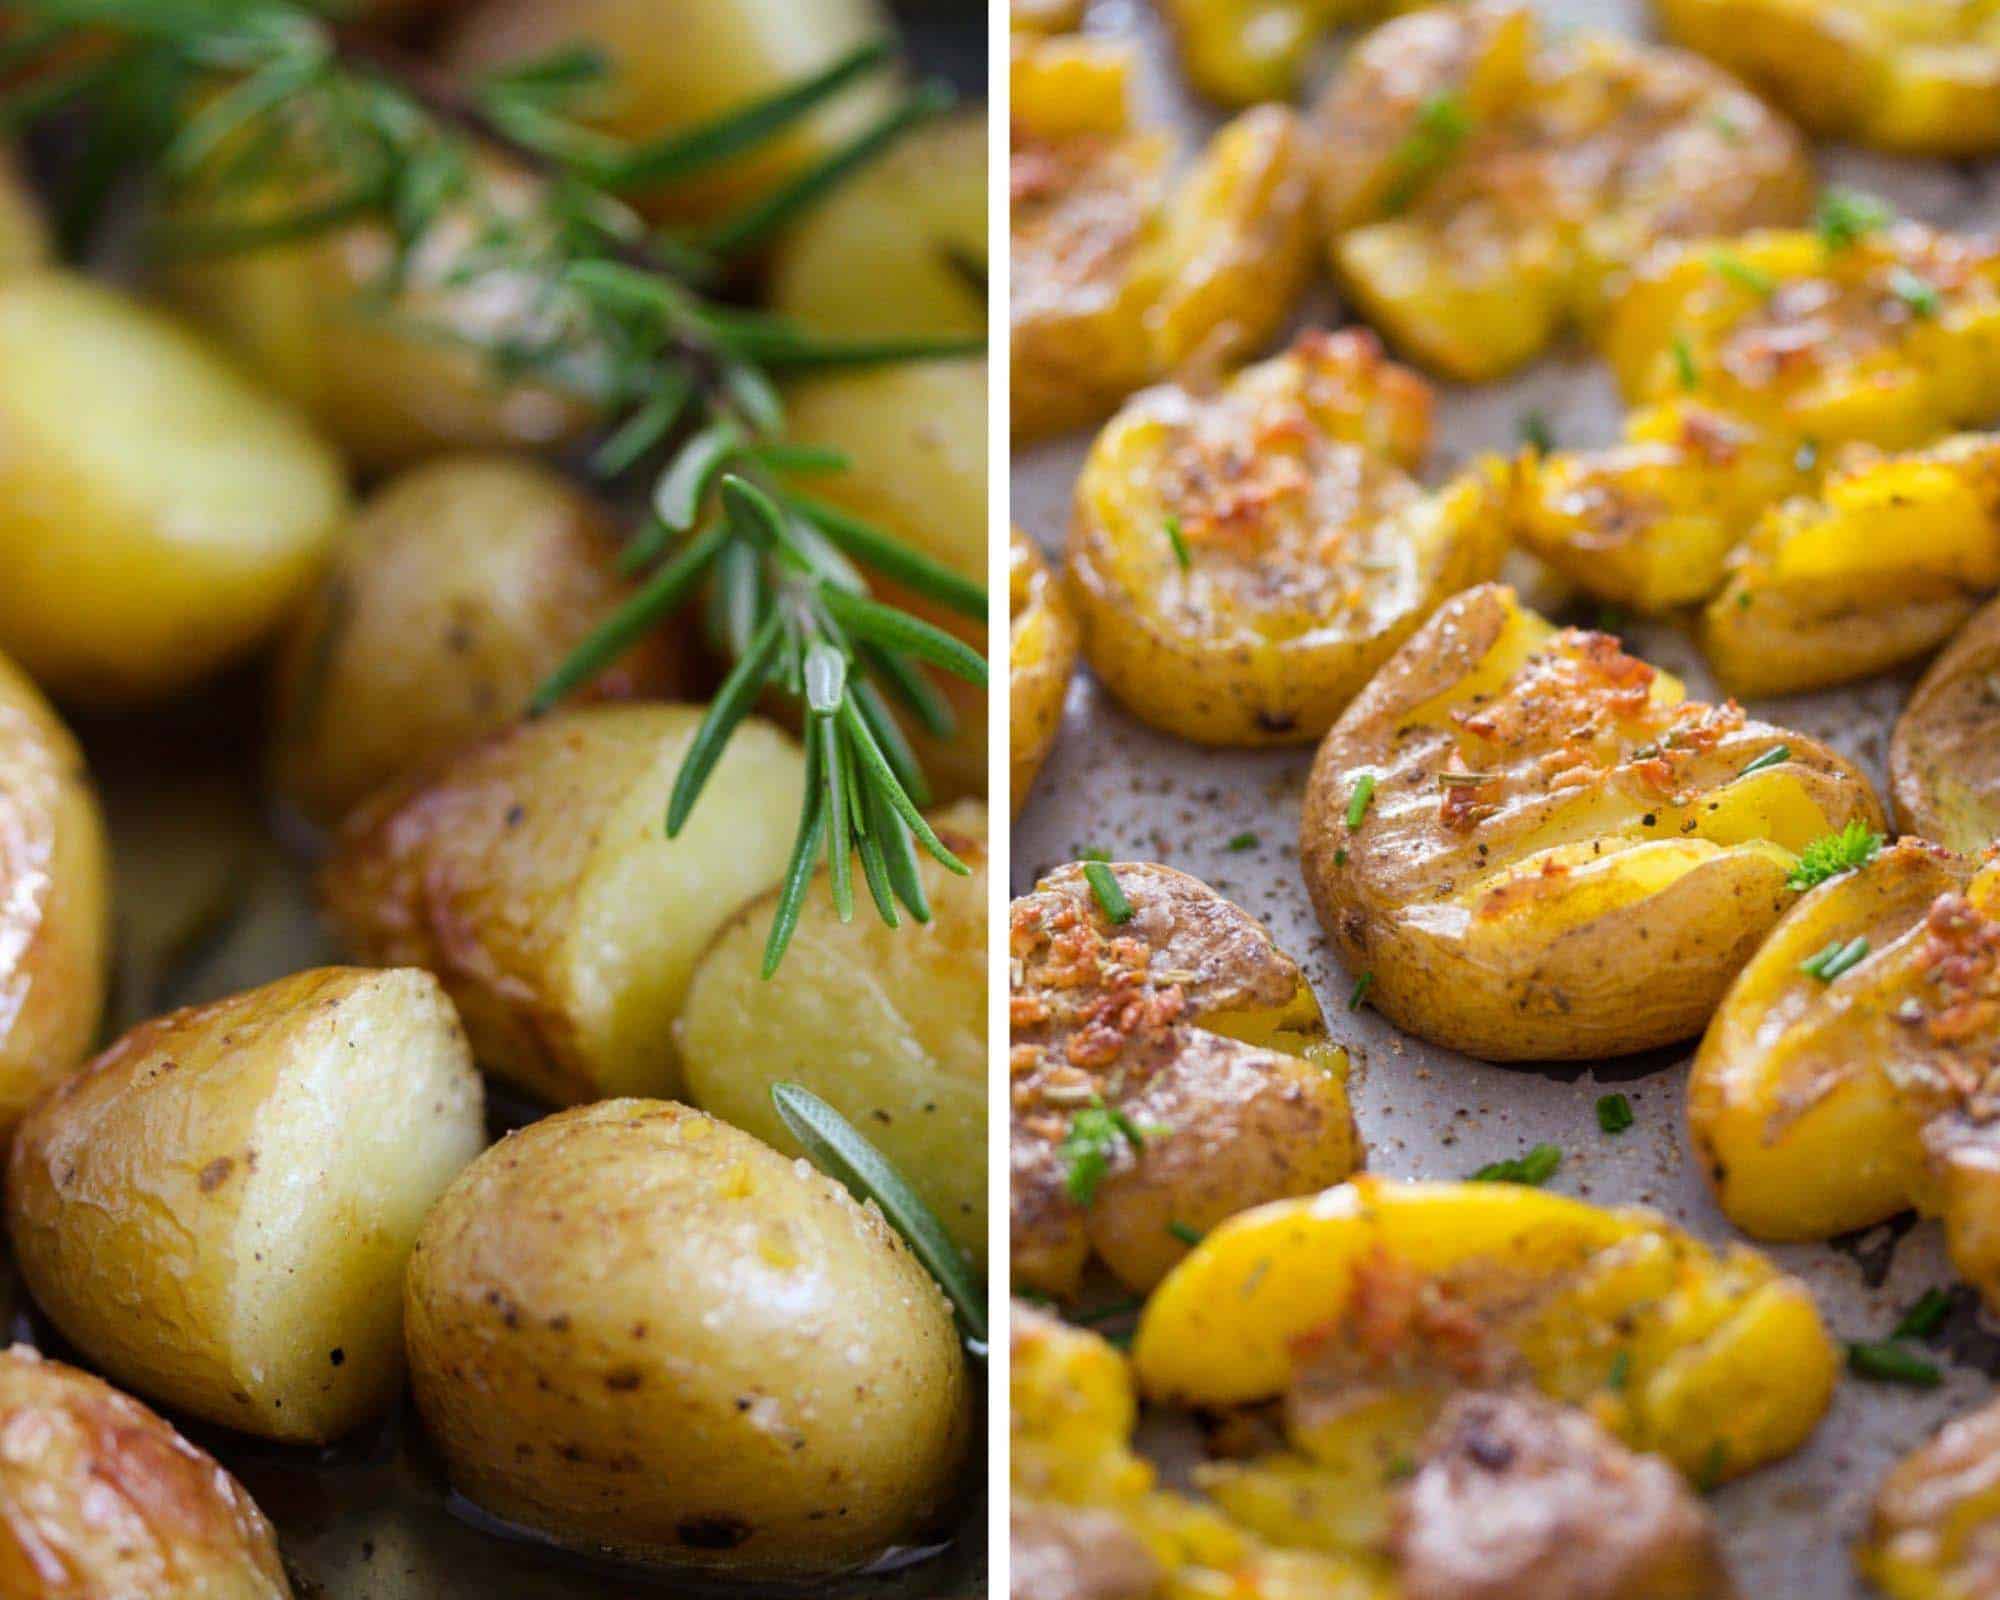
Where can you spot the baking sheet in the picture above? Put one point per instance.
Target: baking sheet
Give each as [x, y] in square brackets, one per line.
[1113, 784]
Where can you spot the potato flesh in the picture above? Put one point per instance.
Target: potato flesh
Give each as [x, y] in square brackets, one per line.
[162, 515]
[888, 1025]
[635, 1328]
[1944, 762]
[1041, 656]
[1242, 52]
[218, 1210]
[1931, 1534]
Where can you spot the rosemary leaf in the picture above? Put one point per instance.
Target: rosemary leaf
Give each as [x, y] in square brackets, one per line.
[678, 497]
[840, 833]
[888, 732]
[898, 630]
[646, 427]
[891, 790]
[799, 869]
[618, 632]
[732, 701]
[899, 851]
[893, 557]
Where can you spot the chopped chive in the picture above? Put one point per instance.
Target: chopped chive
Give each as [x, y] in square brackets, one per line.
[1094, 1136]
[1189, 1236]
[1179, 542]
[1535, 433]
[1357, 801]
[1442, 125]
[1534, 1168]
[1621, 1370]
[1776, 756]
[1887, 1362]
[1915, 291]
[1925, 1316]
[1835, 959]
[1684, 365]
[1709, 1478]
[1742, 273]
[1360, 991]
[1846, 216]
[1614, 1113]
[1109, 895]
[1242, 841]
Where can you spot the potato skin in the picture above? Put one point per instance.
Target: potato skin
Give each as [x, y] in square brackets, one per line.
[1594, 872]
[888, 1025]
[1041, 656]
[1944, 761]
[1930, 1535]
[159, 515]
[632, 1327]
[107, 1500]
[157, 1211]
[55, 887]
[450, 599]
[530, 873]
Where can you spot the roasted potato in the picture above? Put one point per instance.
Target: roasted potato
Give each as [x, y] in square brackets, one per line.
[100, 1497]
[159, 515]
[1486, 194]
[1119, 277]
[55, 929]
[1166, 1069]
[454, 594]
[1828, 1098]
[1044, 16]
[635, 1329]
[717, 56]
[900, 248]
[218, 1209]
[1937, 1515]
[1944, 757]
[1243, 561]
[532, 874]
[1901, 75]
[1242, 52]
[1880, 568]
[886, 1024]
[1538, 850]
[1041, 655]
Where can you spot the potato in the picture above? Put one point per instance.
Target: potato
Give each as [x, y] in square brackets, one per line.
[55, 930]
[899, 249]
[1245, 51]
[634, 1328]
[98, 1496]
[1931, 1535]
[1487, 195]
[1041, 656]
[1821, 1106]
[1164, 1073]
[1242, 562]
[1538, 850]
[887, 1025]
[1879, 569]
[717, 56]
[24, 235]
[218, 1209]
[455, 593]
[394, 378]
[1044, 16]
[533, 875]
[1944, 758]
[159, 516]
[1901, 75]
[915, 439]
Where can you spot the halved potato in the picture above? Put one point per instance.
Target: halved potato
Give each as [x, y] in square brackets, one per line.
[635, 1329]
[1487, 194]
[1539, 850]
[1818, 1106]
[1937, 1515]
[1242, 562]
[159, 514]
[452, 596]
[1880, 568]
[1242, 52]
[532, 873]
[218, 1209]
[1944, 756]
[1905, 75]
[886, 1024]
[100, 1497]
[1165, 1071]
[1041, 655]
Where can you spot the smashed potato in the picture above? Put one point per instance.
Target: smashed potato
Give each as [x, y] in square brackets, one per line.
[1242, 562]
[1944, 756]
[1936, 1519]
[1833, 1091]
[1167, 1068]
[1041, 655]
[1245, 51]
[1488, 194]
[1906, 75]
[1539, 850]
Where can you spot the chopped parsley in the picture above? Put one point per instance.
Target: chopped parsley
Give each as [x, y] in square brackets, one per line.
[1179, 542]
[1684, 363]
[1776, 756]
[1442, 126]
[1835, 959]
[1104, 885]
[1621, 1370]
[1535, 1168]
[1614, 1113]
[1357, 801]
[1535, 432]
[1188, 1234]
[1242, 841]
[1915, 291]
[1831, 854]
[1846, 216]
[1093, 1139]
[1360, 991]
[1885, 1361]
[1925, 1316]
[1742, 273]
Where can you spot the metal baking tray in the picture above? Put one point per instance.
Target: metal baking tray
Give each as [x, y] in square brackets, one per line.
[1113, 784]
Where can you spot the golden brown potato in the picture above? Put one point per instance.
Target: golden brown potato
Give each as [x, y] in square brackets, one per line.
[450, 599]
[1245, 51]
[100, 1497]
[1243, 561]
[1539, 850]
[532, 874]
[159, 515]
[887, 1025]
[1166, 1069]
[1944, 757]
[634, 1328]
[218, 1209]
[1044, 16]
[1937, 1514]
[1487, 194]
[1903, 75]
[55, 899]
[1041, 655]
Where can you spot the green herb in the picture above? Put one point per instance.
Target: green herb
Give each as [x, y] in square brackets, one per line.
[1357, 801]
[1179, 543]
[1535, 1168]
[1915, 291]
[1242, 841]
[1776, 756]
[1361, 985]
[1727, 126]
[1743, 600]
[1107, 1313]
[1709, 1478]
[1614, 1113]
[1684, 365]
[1834, 853]
[1442, 126]
[834, 1146]
[1885, 1361]
[1621, 1370]
[1846, 216]
[1340, 856]
[1924, 1317]
[1095, 1134]
[1742, 273]
[1187, 1234]
[1400, 1466]
[1535, 432]
[1104, 885]
[1835, 959]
